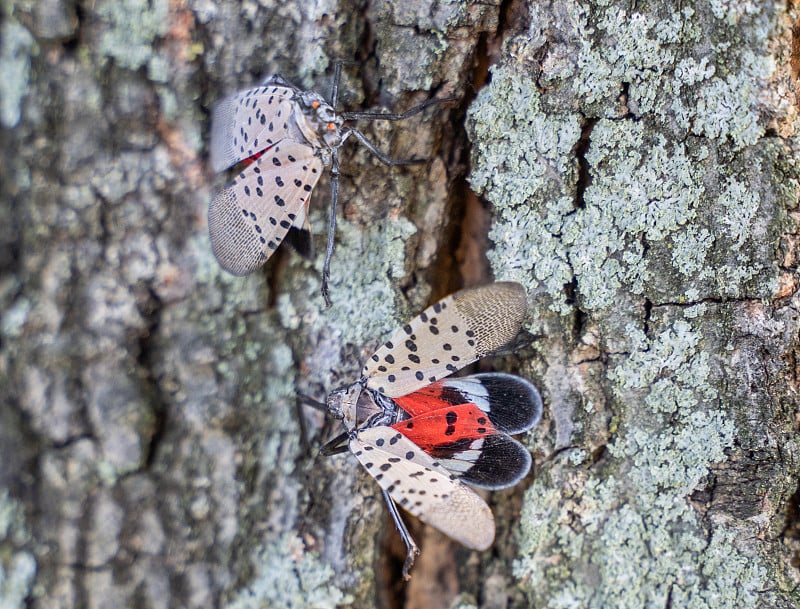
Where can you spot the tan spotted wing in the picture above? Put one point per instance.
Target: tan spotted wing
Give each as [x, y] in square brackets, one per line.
[250, 217]
[423, 487]
[447, 336]
[247, 123]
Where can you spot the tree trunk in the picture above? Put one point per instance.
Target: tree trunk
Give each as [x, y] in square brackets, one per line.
[638, 173]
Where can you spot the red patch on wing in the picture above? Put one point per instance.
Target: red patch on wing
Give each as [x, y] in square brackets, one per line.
[252, 159]
[446, 425]
[430, 398]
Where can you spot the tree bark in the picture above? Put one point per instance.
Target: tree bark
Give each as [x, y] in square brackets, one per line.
[637, 168]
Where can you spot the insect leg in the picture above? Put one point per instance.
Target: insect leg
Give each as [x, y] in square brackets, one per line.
[381, 156]
[326, 266]
[337, 76]
[309, 401]
[394, 116]
[412, 550]
[301, 400]
[336, 446]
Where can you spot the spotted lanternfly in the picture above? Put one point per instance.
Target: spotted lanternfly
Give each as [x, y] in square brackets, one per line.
[286, 136]
[421, 435]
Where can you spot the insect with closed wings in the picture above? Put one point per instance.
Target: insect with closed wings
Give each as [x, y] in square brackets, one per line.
[284, 137]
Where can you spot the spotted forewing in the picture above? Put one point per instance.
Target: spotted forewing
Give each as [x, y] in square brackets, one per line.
[424, 487]
[254, 123]
[247, 123]
[447, 336]
[249, 219]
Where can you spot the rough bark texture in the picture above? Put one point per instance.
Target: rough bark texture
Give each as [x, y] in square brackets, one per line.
[639, 161]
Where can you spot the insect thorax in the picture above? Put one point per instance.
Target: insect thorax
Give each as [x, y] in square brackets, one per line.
[319, 124]
[360, 407]
[374, 408]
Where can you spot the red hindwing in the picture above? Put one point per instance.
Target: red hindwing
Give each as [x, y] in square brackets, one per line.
[443, 426]
[432, 397]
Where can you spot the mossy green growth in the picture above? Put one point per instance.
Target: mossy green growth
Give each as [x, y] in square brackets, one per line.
[644, 539]
[132, 28]
[519, 149]
[713, 92]
[17, 567]
[641, 206]
[279, 392]
[647, 192]
[16, 47]
[225, 294]
[367, 265]
[288, 577]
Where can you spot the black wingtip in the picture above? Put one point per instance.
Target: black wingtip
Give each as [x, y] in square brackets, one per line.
[502, 463]
[300, 241]
[516, 404]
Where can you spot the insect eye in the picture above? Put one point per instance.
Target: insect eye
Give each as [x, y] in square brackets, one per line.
[331, 127]
[315, 104]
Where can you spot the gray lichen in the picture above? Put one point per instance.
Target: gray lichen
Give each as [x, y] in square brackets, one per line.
[647, 185]
[290, 577]
[17, 566]
[635, 511]
[670, 200]
[367, 271]
[132, 28]
[16, 47]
